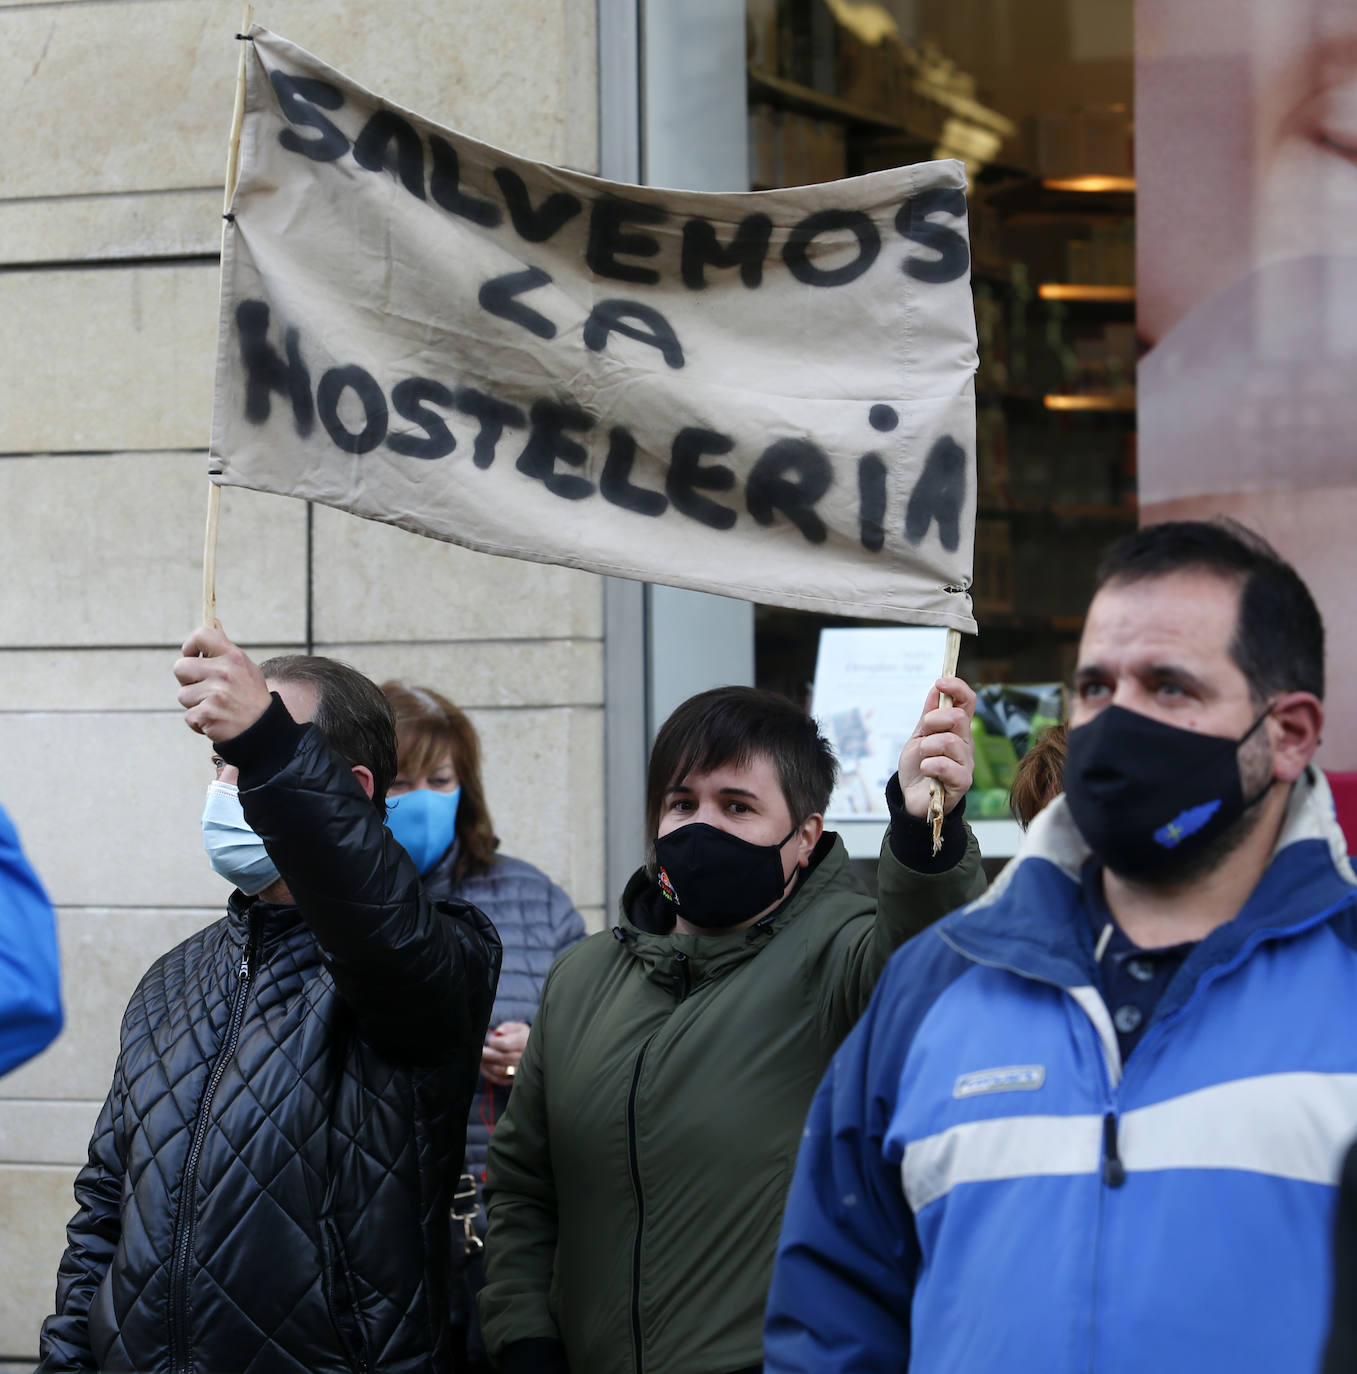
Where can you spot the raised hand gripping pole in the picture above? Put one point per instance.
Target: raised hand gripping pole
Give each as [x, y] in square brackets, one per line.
[232, 167]
[935, 797]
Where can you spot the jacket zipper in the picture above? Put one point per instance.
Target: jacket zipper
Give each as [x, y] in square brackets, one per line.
[1112, 1175]
[634, 1160]
[681, 975]
[183, 1222]
[355, 1349]
[1113, 1169]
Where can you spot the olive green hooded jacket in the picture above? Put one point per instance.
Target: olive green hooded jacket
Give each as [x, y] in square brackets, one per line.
[636, 1180]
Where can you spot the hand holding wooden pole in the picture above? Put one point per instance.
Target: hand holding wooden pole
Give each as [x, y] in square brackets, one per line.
[935, 799]
[210, 620]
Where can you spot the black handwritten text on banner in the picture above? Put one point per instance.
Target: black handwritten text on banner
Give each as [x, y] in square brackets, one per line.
[767, 395]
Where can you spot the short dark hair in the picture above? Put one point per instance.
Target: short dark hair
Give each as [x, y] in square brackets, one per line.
[1278, 639]
[351, 713]
[733, 726]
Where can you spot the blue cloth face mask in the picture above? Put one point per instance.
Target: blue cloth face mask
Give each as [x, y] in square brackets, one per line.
[233, 849]
[425, 823]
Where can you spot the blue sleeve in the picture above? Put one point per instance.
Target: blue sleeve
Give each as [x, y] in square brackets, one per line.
[843, 1281]
[30, 979]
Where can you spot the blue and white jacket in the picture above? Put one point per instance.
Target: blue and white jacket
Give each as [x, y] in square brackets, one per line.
[30, 978]
[984, 1186]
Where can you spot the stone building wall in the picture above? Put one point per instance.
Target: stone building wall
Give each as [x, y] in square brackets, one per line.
[115, 116]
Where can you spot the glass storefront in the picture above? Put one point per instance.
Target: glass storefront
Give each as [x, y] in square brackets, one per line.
[1036, 100]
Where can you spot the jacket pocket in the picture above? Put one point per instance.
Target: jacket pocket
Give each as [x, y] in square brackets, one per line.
[341, 1296]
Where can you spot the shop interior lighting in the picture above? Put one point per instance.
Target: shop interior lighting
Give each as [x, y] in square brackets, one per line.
[1090, 183]
[1106, 401]
[1072, 291]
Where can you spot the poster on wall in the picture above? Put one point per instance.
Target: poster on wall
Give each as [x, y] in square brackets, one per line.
[869, 690]
[1246, 220]
[768, 395]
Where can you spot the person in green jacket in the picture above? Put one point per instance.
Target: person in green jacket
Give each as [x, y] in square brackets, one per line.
[636, 1181]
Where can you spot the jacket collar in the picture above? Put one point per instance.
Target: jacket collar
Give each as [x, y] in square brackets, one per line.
[708, 955]
[1033, 919]
[248, 916]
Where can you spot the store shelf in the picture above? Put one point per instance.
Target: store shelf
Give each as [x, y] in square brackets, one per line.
[1027, 624]
[1009, 399]
[1090, 185]
[791, 95]
[1056, 200]
[1092, 514]
[1074, 403]
[998, 274]
[1075, 293]
[937, 121]
[1059, 402]
[862, 839]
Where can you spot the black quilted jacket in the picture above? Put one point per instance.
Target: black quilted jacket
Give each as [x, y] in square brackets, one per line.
[269, 1181]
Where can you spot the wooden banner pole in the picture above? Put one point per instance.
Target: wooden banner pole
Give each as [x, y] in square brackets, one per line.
[232, 168]
[950, 653]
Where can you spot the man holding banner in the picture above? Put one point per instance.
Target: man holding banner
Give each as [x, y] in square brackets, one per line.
[767, 396]
[269, 1181]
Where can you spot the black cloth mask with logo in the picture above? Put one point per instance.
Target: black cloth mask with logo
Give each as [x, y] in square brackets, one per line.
[1148, 797]
[716, 879]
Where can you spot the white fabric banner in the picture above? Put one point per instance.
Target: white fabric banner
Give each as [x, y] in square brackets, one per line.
[764, 395]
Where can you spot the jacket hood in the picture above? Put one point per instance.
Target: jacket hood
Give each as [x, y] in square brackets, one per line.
[1032, 920]
[673, 959]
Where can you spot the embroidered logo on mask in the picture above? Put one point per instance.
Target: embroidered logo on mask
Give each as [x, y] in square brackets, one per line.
[1185, 824]
[667, 887]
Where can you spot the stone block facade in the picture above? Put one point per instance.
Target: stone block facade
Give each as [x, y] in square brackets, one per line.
[109, 231]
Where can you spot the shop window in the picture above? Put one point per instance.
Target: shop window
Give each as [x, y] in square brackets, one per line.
[1034, 97]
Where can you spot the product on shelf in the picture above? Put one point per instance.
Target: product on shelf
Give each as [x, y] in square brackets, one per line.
[1007, 720]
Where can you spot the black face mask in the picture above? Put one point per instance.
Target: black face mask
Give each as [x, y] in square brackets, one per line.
[716, 879]
[1148, 798]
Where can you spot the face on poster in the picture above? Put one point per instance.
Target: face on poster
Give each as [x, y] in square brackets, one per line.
[1246, 127]
[1246, 164]
[869, 692]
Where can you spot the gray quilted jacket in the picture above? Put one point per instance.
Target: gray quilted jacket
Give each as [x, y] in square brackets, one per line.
[535, 920]
[269, 1180]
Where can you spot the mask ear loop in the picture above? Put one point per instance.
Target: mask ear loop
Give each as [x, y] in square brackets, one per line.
[1242, 740]
[1253, 729]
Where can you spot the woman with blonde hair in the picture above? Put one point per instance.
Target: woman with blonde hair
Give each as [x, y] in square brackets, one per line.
[437, 810]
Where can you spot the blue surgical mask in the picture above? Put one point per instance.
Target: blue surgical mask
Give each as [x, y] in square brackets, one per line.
[425, 823]
[233, 849]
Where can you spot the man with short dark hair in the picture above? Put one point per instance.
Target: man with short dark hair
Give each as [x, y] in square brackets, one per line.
[1095, 1119]
[636, 1180]
[269, 1182]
